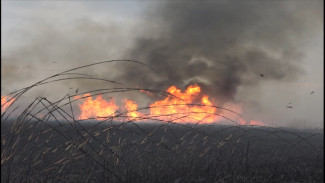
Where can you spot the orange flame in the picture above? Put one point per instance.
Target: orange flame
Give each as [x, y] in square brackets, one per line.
[96, 108]
[252, 122]
[6, 101]
[146, 92]
[132, 107]
[259, 123]
[178, 107]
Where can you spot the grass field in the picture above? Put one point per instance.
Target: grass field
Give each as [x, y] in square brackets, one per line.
[45, 143]
[138, 152]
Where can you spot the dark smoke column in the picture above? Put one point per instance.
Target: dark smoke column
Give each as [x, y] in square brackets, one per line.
[220, 45]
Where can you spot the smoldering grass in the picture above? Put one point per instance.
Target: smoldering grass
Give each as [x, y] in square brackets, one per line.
[46, 143]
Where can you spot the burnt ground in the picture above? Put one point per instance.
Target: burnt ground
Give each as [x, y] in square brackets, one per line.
[160, 152]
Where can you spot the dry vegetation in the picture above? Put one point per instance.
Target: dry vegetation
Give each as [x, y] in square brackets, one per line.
[45, 143]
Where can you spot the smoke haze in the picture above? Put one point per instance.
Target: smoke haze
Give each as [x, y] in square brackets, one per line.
[233, 49]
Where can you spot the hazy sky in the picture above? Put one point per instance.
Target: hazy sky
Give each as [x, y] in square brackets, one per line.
[222, 45]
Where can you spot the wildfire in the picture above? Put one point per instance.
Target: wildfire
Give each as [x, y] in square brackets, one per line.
[96, 108]
[6, 101]
[132, 107]
[252, 122]
[146, 92]
[189, 106]
[178, 107]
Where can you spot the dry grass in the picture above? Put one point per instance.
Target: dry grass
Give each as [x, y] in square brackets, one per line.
[45, 143]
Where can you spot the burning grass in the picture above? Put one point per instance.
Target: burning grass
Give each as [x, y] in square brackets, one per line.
[51, 142]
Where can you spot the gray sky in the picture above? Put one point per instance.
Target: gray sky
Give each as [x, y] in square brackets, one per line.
[282, 39]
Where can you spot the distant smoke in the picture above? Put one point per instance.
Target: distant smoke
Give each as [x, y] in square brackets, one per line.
[220, 44]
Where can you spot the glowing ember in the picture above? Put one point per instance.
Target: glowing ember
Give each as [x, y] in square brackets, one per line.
[252, 122]
[5, 102]
[96, 108]
[180, 108]
[256, 123]
[146, 92]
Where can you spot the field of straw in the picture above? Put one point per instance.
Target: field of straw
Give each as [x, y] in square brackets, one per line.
[44, 142]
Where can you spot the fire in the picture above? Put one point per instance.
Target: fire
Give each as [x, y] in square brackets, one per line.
[146, 92]
[6, 101]
[259, 123]
[179, 106]
[96, 108]
[132, 107]
[189, 106]
[252, 122]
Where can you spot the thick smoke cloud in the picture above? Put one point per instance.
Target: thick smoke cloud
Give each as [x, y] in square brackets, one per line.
[221, 45]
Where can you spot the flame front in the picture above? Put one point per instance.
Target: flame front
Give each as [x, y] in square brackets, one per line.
[180, 107]
[96, 108]
[190, 106]
[5, 102]
[132, 107]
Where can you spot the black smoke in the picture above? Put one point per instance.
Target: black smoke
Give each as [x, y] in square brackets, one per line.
[220, 45]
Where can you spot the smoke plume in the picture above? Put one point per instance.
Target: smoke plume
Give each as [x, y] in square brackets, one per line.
[237, 51]
[220, 45]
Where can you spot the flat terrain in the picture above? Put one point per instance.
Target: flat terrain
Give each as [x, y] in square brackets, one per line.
[158, 152]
